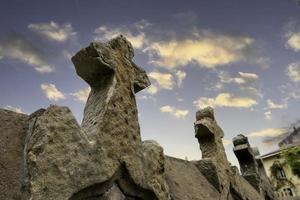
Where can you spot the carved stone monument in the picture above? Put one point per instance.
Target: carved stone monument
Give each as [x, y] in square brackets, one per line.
[49, 156]
[251, 167]
[105, 157]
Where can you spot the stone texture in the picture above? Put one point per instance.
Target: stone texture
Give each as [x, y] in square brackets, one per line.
[186, 182]
[251, 167]
[48, 155]
[66, 161]
[214, 163]
[12, 136]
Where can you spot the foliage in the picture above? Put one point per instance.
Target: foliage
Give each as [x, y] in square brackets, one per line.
[275, 167]
[292, 158]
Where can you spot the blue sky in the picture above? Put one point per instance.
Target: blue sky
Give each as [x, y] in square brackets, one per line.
[241, 57]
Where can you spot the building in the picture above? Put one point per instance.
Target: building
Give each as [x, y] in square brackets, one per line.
[286, 183]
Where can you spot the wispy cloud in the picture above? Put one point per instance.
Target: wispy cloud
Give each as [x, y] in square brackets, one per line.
[269, 132]
[293, 41]
[165, 81]
[16, 47]
[178, 113]
[170, 48]
[15, 109]
[54, 31]
[245, 81]
[243, 78]
[293, 71]
[206, 49]
[268, 115]
[134, 33]
[180, 76]
[225, 100]
[82, 95]
[51, 92]
[272, 105]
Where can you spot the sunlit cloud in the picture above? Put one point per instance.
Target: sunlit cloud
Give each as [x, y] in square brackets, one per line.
[180, 76]
[14, 109]
[82, 95]
[160, 81]
[134, 33]
[164, 80]
[178, 113]
[293, 40]
[206, 49]
[293, 71]
[16, 47]
[269, 132]
[51, 92]
[225, 100]
[246, 82]
[54, 31]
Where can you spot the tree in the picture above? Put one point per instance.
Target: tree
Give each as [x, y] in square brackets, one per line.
[292, 158]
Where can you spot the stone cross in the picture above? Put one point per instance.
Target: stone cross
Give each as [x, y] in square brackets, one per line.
[214, 164]
[251, 165]
[104, 157]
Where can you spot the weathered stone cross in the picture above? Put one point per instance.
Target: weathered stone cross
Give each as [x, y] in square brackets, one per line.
[105, 157]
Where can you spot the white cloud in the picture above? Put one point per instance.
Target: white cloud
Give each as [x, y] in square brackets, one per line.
[152, 89]
[15, 109]
[180, 76]
[160, 81]
[164, 80]
[243, 78]
[225, 100]
[54, 31]
[134, 33]
[18, 48]
[207, 49]
[246, 82]
[178, 113]
[272, 105]
[293, 40]
[82, 95]
[269, 133]
[293, 71]
[268, 115]
[51, 92]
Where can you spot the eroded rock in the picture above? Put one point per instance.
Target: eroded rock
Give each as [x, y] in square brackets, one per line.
[251, 167]
[65, 160]
[13, 128]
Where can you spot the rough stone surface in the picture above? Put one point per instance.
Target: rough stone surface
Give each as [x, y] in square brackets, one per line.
[49, 156]
[251, 167]
[64, 160]
[186, 182]
[12, 136]
[214, 163]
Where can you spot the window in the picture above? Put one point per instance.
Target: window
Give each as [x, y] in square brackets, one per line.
[281, 173]
[288, 192]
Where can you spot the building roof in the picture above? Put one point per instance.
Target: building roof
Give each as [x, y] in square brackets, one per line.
[270, 154]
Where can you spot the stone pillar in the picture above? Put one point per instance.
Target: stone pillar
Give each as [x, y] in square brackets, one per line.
[214, 164]
[251, 166]
[105, 156]
[246, 158]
